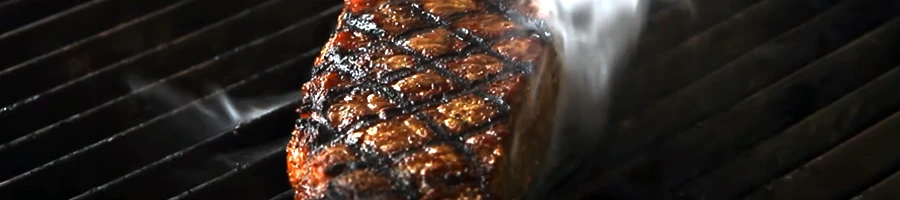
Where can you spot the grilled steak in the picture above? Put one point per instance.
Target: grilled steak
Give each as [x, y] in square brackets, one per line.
[415, 99]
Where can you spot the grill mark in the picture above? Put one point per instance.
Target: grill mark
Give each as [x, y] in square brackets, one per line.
[371, 160]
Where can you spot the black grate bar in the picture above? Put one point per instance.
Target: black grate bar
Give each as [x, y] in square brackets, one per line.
[766, 112]
[753, 71]
[271, 166]
[92, 53]
[676, 23]
[17, 13]
[777, 108]
[870, 156]
[150, 140]
[173, 169]
[650, 78]
[794, 146]
[131, 109]
[746, 21]
[42, 110]
[887, 189]
[286, 195]
[68, 26]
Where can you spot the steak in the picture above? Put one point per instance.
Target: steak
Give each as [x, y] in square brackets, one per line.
[417, 99]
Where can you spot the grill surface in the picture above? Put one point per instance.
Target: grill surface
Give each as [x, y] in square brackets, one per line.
[750, 99]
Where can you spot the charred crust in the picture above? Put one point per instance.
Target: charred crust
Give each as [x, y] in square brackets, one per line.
[348, 67]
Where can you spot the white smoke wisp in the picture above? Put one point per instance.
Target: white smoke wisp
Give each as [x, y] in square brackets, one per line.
[216, 110]
[593, 40]
[231, 111]
[204, 112]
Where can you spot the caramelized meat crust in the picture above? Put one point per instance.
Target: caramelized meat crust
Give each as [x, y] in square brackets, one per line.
[410, 99]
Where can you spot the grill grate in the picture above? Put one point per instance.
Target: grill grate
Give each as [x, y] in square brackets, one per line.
[100, 137]
[784, 81]
[771, 97]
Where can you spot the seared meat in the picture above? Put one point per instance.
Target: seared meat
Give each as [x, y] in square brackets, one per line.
[412, 99]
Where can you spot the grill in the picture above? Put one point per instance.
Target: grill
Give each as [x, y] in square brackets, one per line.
[750, 99]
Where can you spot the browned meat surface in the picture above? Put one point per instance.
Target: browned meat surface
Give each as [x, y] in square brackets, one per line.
[412, 100]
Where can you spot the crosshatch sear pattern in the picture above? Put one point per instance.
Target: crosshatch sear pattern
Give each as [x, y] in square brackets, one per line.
[410, 100]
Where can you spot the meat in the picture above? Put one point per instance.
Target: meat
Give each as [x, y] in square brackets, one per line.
[417, 100]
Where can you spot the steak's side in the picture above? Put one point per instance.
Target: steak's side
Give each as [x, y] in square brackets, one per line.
[412, 100]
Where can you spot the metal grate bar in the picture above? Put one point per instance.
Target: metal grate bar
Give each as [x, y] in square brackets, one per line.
[766, 112]
[856, 111]
[179, 171]
[870, 156]
[85, 56]
[286, 195]
[755, 70]
[38, 111]
[146, 142]
[130, 110]
[745, 39]
[17, 13]
[78, 22]
[674, 24]
[887, 189]
[703, 53]
[269, 167]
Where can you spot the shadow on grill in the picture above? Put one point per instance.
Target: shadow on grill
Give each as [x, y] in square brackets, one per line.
[725, 100]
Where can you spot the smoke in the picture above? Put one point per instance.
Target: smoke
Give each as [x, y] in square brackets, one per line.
[221, 112]
[593, 39]
[211, 110]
